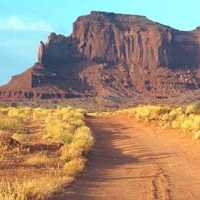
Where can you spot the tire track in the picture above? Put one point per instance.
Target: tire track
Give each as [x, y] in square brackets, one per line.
[161, 186]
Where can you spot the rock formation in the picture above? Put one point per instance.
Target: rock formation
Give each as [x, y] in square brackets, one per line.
[41, 53]
[112, 55]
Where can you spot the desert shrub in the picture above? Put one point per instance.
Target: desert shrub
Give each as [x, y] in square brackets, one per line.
[83, 138]
[59, 131]
[40, 114]
[195, 121]
[10, 124]
[197, 135]
[23, 113]
[193, 108]
[149, 112]
[75, 166]
[81, 144]
[68, 152]
[187, 118]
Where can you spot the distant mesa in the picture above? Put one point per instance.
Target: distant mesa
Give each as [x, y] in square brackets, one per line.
[111, 55]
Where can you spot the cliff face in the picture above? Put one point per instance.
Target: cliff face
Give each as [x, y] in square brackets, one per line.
[112, 54]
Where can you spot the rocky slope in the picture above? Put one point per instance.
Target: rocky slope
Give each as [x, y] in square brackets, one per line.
[112, 55]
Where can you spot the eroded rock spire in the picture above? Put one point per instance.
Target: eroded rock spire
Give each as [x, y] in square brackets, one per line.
[41, 56]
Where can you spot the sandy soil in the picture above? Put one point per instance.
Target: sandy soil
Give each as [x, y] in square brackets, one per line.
[136, 161]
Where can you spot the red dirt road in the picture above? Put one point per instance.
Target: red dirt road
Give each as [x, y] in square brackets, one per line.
[134, 161]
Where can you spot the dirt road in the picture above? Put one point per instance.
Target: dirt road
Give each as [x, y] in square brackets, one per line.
[134, 161]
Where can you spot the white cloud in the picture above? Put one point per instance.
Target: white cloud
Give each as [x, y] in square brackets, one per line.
[14, 23]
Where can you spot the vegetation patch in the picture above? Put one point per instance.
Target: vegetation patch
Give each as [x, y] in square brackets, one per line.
[186, 118]
[41, 140]
[40, 188]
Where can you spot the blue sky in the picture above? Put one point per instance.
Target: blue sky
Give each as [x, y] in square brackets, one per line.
[24, 23]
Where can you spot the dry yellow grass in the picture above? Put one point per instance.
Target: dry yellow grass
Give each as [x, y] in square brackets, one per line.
[10, 124]
[36, 189]
[74, 166]
[39, 159]
[186, 118]
[64, 126]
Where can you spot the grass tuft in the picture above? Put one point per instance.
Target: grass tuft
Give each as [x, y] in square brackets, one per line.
[75, 166]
